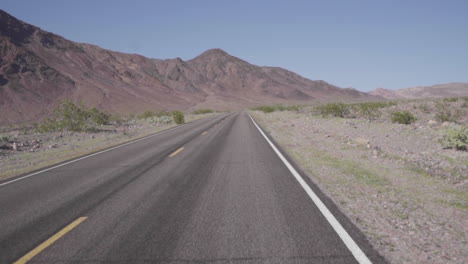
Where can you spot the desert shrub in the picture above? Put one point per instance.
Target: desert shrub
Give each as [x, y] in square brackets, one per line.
[447, 113]
[278, 107]
[73, 117]
[376, 105]
[97, 117]
[178, 117]
[67, 116]
[149, 114]
[289, 107]
[425, 108]
[202, 111]
[451, 99]
[403, 117]
[5, 138]
[264, 108]
[161, 120]
[369, 110]
[334, 109]
[146, 114]
[117, 119]
[456, 138]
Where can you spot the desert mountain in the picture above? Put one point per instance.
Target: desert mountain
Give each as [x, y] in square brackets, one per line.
[435, 91]
[38, 69]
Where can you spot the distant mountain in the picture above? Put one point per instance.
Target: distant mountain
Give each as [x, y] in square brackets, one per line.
[38, 69]
[435, 91]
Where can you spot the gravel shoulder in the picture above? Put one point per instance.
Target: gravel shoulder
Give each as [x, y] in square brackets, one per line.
[396, 182]
[38, 150]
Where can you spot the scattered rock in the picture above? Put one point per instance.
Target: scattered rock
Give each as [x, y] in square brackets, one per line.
[445, 124]
[361, 141]
[432, 122]
[14, 146]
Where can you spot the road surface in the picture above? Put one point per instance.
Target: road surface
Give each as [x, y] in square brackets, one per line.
[211, 191]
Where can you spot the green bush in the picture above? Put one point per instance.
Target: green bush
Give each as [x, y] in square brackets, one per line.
[73, 117]
[265, 108]
[451, 99]
[98, 118]
[202, 111]
[178, 117]
[369, 110]
[456, 138]
[149, 114]
[146, 114]
[403, 117]
[334, 109]
[289, 107]
[278, 107]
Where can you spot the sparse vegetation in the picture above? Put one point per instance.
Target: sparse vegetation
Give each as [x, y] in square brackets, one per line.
[451, 99]
[369, 111]
[334, 109]
[456, 138]
[178, 117]
[161, 120]
[202, 111]
[273, 108]
[446, 113]
[5, 138]
[424, 107]
[97, 117]
[403, 117]
[149, 114]
[264, 108]
[73, 117]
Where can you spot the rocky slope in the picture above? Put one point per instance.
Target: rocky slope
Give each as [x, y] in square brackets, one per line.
[38, 69]
[435, 91]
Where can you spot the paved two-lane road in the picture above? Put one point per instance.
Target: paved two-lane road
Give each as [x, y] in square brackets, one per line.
[211, 191]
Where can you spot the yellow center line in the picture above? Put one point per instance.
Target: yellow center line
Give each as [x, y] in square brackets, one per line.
[50, 241]
[177, 151]
[204, 133]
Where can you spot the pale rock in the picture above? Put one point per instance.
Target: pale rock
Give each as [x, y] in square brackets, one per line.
[432, 122]
[361, 141]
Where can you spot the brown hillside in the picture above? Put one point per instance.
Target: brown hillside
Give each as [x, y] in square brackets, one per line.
[38, 69]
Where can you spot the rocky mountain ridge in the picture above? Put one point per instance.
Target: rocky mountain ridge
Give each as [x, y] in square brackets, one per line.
[39, 69]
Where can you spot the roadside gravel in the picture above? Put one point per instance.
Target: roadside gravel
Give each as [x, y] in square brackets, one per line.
[396, 182]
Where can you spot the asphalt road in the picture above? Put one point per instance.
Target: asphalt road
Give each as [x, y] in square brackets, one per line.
[211, 191]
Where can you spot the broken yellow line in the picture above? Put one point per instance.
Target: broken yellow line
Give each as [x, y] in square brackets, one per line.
[176, 152]
[49, 241]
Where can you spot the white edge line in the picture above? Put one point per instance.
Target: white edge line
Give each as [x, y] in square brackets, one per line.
[349, 242]
[90, 155]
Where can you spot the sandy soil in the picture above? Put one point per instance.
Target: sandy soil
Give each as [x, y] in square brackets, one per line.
[396, 182]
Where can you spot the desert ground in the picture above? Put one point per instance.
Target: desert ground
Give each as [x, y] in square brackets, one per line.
[398, 183]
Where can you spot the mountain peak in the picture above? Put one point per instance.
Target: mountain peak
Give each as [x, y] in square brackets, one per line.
[212, 54]
[215, 51]
[18, 31]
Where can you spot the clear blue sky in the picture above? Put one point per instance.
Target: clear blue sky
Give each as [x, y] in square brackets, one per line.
[360, 44]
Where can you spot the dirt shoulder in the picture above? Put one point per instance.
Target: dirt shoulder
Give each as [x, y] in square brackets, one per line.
[396, 182]
[26, 150]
